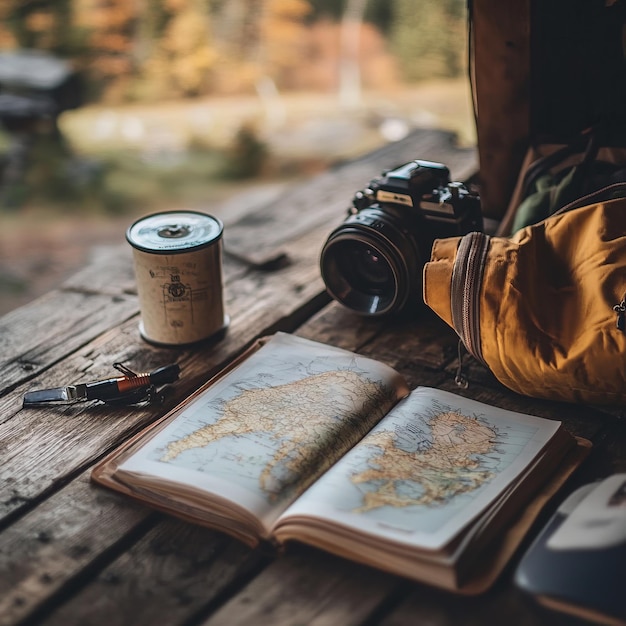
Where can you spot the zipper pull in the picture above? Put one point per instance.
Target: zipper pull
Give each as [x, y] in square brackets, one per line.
[460, 378]
[620, 309]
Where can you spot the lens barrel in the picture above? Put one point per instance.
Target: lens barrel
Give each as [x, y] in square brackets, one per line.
[370, 263]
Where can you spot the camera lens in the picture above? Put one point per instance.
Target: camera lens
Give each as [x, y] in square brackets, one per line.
[365, 264]
[365, 268]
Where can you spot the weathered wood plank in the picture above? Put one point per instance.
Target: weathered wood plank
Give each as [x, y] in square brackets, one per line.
[55, 543]
[44, 446]
[42, 333]
[419, 338]
[167, 577]
[502, 606]
[308, 587]
[53, 549]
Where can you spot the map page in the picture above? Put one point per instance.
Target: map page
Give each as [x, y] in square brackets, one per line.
[261, 434]
[428, 469]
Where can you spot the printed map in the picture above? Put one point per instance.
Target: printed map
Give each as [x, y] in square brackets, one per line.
[333, 435]
[271, 438]
[412, 466]
[431, 461]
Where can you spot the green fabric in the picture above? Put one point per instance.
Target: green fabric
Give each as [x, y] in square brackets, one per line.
[550, 195]
[551, 192]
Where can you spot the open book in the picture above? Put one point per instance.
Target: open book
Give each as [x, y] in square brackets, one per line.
[308, 442]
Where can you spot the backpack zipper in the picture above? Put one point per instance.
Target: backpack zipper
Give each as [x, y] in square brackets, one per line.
[466, 282]
[620, 310]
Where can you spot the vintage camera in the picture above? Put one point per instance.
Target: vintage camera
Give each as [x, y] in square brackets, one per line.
[373, 262]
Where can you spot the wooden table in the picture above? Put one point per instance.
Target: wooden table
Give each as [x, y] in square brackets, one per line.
[75, 553]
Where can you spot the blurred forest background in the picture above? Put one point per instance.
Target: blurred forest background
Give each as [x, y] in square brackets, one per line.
[166, 104]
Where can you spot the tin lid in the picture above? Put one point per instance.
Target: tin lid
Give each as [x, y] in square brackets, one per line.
[174, 231]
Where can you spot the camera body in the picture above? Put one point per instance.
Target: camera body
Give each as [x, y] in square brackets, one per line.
[372, 263]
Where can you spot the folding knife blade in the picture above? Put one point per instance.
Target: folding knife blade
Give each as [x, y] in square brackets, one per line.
[70, 393]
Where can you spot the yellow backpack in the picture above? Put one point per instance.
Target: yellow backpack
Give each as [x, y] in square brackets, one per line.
[545, 309]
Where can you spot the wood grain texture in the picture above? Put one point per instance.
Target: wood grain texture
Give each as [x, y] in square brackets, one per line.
[307, 587]
[35, 336]
[55, 544]
[172, 573]
[504, 605]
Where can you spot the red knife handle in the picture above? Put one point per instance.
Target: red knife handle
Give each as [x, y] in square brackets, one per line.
[114, 388]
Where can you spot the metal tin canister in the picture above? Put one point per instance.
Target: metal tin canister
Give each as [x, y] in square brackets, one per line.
[178, 267]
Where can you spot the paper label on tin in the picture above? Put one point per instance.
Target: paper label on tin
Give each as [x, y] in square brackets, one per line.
[180, 295]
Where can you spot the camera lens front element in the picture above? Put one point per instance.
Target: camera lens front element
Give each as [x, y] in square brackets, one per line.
[366, 268]
[359, 276]
[366, 265]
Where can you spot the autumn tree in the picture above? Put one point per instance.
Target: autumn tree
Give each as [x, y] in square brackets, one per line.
[178, 59]
[147, 49]
[257, 40]
[282, 34]
[428, 37]
[109, 28]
